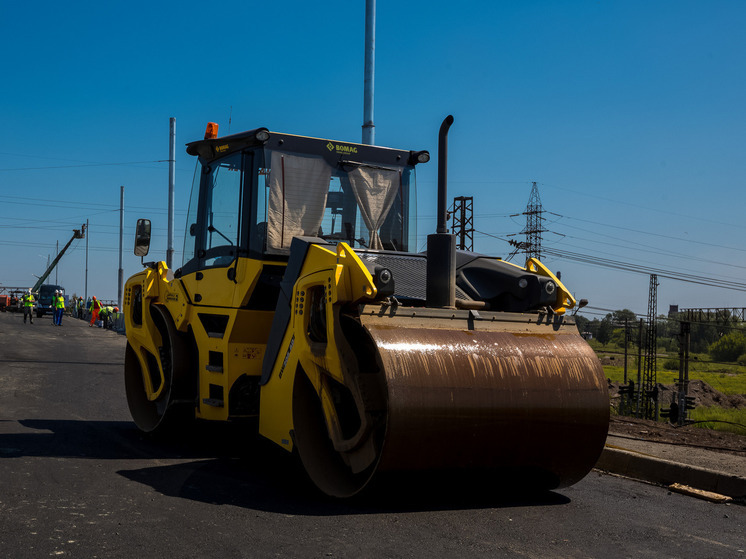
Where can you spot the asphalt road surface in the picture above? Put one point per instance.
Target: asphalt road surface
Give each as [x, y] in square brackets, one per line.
[77, 479]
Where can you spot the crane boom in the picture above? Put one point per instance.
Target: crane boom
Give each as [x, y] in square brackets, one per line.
[77, 234]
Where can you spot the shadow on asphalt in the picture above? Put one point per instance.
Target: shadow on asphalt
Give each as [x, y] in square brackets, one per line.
[118, 440]
[60, 362]
[278, 486]
[230, 464]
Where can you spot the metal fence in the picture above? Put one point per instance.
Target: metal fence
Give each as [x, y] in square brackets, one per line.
[115, 323]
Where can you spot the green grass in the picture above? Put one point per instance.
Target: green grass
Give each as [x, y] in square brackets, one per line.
[715, 415]
[728, 378]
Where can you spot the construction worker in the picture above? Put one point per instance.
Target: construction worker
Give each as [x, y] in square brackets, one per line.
[28, 306]
[112, 313]
[59, 307]
[95, 309]
[105, 315]
[81, 314]
[54, 306]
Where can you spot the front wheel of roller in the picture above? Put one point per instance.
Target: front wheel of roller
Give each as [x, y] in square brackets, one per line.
[169, 410]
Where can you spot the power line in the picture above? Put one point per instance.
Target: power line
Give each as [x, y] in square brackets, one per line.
[33, 201]
[647, 270]
[645, 248]
[493, 236]
[638, 206]
[84, 165]
[648, 233]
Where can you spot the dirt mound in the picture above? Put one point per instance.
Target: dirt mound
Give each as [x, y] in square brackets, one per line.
[704, 395]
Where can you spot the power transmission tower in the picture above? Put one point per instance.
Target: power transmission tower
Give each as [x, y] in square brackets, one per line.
[648, 389]
[719, 315]
[534, 227]
[463, 222]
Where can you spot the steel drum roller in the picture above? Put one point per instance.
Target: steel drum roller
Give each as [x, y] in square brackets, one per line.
[495, 395]
[492, 399]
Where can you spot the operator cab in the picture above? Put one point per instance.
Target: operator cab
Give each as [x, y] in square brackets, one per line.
[253, 192]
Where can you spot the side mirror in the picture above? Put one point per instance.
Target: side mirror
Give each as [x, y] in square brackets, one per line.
[142, 237]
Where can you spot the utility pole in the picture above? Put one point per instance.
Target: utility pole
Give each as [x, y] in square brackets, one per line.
[626, 391]
[682, 386]
[369, 132]
[638, 396]
[88, 234]
[649, 377]
[171, 180]
[120, 279]
[626, 339]
[57, 253]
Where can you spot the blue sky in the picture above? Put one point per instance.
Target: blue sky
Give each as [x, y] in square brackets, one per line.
[629, 115]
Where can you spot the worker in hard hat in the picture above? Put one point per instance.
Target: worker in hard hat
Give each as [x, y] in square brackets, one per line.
[57, 311]
[95, 308]
[60, 307]
[105, 315]
[28, 306]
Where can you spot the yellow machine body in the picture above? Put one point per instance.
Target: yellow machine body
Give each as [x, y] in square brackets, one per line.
[334, 349]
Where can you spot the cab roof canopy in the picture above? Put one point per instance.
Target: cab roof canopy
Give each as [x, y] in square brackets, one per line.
[332, 150]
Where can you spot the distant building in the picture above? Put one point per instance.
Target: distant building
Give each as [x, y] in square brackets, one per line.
[672, 310]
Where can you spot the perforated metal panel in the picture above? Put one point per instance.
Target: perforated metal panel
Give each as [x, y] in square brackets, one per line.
[410, 273]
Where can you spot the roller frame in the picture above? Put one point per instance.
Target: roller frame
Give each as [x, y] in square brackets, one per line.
[302, 363]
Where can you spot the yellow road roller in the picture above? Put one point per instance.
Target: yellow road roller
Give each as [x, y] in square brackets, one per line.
[303, 304]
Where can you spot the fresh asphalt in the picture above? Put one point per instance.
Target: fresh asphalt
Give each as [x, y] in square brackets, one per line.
[77, 479]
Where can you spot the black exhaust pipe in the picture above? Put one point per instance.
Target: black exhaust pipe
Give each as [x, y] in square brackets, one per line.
[440, 288]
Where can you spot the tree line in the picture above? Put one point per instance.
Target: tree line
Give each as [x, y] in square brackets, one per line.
[722, 341]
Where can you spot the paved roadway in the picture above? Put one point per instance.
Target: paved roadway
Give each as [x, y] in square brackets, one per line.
[78, 480]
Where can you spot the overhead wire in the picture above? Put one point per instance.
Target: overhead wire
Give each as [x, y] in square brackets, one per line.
[620, 264]
[647, 233]
[548, 250]
[551, 251]
[638, 206]
[642, 247]
[647, 270]
[125, 163]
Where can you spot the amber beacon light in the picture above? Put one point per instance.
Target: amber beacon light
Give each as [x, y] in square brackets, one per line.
[211, 132]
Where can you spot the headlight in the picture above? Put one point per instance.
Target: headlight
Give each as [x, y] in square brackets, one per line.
[384, 280]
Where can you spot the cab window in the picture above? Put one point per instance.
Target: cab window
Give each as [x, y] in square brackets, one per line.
[219, 231]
